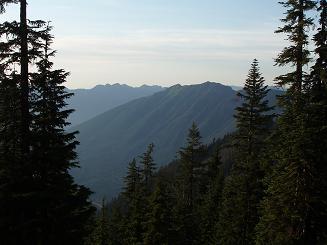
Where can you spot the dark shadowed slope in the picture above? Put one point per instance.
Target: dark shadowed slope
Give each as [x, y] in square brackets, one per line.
[112, 139]
[89, 103]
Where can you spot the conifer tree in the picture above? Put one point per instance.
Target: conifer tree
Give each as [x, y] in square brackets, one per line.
[116, 226]
[318, 74]
[191, 171]
[288, 210]
[316, 93]
[101, 232]
[252, 117]
[148, 168]
[9, 156]
[243, 189]
[134, 194]
[39, 200]
[63, 208]
[24, 78]
[211, 204]
[158, 223]
[17, 188]
[9, 101]
[132, 182]
[24, 60]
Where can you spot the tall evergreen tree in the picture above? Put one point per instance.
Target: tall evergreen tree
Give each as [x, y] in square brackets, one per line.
[316, 127]
[191, 171]
[132, 181]
[318, 74]
[252, 117]
[134, 194]
[158, 223]
[9, 157]
[63, 208]
[17, 187]
[24, 60]
[101, 232]
[210, 206]
[24, 79]
[296, 25]
[40, 203]
[243, 188]
[116, 226]
[288, 210]
[148, 168]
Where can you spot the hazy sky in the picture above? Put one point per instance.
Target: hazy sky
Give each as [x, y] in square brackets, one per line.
[161, 41]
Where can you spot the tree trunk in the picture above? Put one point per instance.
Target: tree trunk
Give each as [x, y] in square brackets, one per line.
[24, 84]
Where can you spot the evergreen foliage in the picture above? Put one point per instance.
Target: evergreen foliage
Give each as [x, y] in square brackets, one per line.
[39, 201]
[159, 217]
[252, 117]
[134, 194]
[116, 226]
[188, 184]
[243, 189]
[210, 207]
[148, 168]
[275, 192]
[101, 232]
[294, 207]
[53, 155]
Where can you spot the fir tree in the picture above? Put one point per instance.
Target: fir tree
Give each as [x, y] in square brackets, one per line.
[134, 194]
[116, 226]
[211, 204]
[158, 223]
[148, 168]
[252, 117]
[191, 171]
[9, 158]
[63, 208]
[243, 189]
[24, 78]
[288, 214]
[101, 232]
[132, 182]
[316, 127]
[318, 75]
[24, 60]
[18, 189]
[39, 199]
[297, 54]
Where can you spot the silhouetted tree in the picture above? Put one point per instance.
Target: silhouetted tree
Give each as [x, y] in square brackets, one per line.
[101, 232]
[288, 216]
[148, 168]
[62, 207]
[210, 207]
[134, 194]
[243, 189]
[188, 182]
[158, 225]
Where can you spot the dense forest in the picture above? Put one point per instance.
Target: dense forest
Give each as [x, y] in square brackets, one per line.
[263, 184]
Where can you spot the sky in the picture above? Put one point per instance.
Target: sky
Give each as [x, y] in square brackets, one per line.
[162, 42]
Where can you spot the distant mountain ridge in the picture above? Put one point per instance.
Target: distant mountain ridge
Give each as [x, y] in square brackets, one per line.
[89, 103]
[110, 140]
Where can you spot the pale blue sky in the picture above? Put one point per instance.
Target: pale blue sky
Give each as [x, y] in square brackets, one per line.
[161, 41]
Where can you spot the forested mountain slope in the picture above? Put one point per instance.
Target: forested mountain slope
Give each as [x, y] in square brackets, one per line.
[112, 139]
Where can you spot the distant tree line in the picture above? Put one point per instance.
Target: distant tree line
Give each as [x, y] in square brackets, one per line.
[275, 191]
